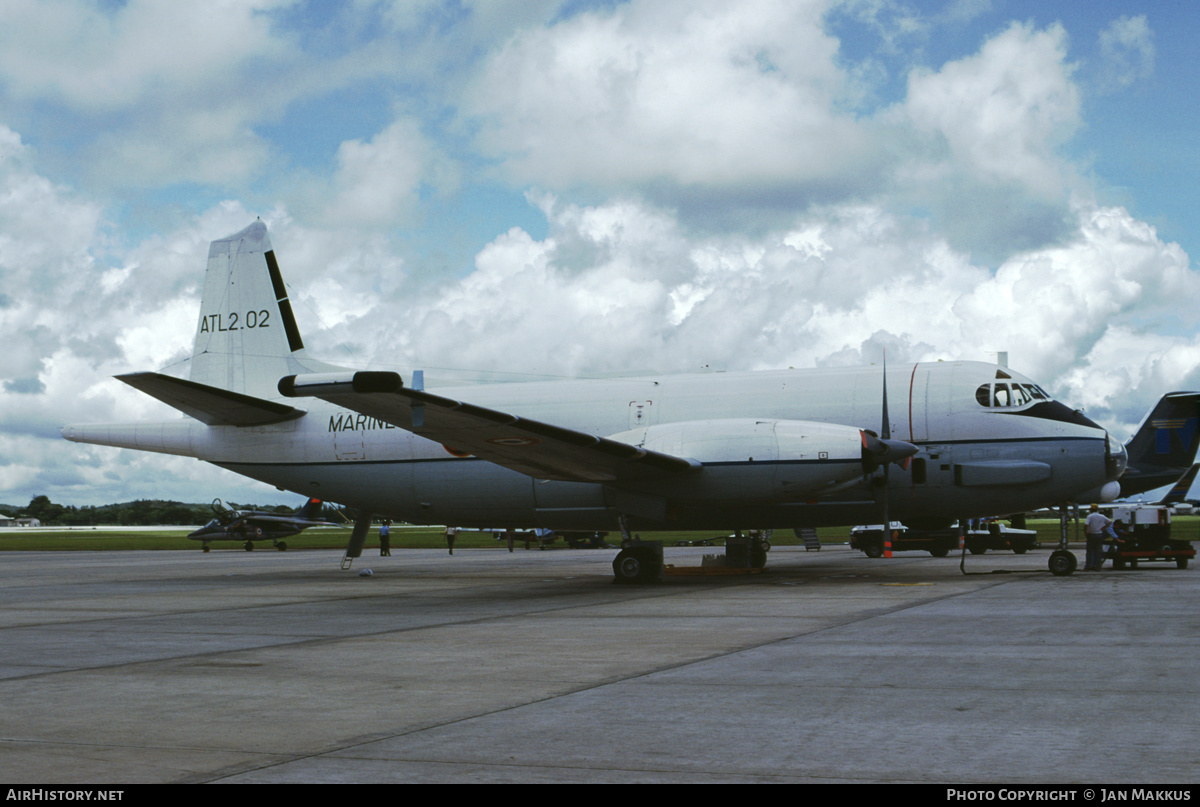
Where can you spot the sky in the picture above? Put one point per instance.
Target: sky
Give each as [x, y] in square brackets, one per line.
[530, 189]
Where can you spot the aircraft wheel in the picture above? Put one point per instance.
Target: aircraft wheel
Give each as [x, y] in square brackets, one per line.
[1062, 563]
[1181, 563]
[873, 550]
[627, 566]
[248, 546]
[635, 565]
[281, 546]
[205, 548]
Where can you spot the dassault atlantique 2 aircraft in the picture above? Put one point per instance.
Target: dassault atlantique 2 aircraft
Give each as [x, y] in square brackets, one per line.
[736, 450]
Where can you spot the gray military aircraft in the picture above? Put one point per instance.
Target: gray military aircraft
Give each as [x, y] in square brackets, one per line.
[724, 451]
[248, 526]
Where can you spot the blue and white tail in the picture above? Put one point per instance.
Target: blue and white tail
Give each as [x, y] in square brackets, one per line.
[1164, 446]
[246, 338]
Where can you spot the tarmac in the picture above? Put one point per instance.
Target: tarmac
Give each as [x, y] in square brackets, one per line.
[135, 667]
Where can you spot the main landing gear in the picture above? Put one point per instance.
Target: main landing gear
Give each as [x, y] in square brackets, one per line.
[642, 561]
[249, 546]
[638, 561]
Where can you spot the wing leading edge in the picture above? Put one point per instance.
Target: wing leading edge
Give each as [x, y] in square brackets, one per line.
[537, 449]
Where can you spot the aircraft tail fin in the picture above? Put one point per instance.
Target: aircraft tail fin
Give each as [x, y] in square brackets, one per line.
[247, 338]
[311, 509]
[1164, 446]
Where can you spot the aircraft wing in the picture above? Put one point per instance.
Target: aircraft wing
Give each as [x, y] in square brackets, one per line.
[290, 521]
[540, 450]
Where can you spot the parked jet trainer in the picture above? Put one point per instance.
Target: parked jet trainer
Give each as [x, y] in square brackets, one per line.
[767, 449]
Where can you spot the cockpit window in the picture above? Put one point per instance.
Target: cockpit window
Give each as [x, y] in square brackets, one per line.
[1002, 394]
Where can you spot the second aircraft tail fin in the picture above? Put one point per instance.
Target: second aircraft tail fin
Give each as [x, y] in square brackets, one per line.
[1164, 446]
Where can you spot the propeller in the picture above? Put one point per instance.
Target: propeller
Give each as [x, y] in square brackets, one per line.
[883, 451]
[876, 452]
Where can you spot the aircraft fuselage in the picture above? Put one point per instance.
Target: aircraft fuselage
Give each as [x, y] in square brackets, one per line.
[973, 459]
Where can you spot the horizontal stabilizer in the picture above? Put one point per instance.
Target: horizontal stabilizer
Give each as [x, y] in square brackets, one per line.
[540, 450]
[210, 405]
[1180, 490]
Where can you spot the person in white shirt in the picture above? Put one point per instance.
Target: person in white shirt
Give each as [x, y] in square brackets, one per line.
[1094, 527]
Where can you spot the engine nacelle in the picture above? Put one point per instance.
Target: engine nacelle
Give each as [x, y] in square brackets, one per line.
[764, 460]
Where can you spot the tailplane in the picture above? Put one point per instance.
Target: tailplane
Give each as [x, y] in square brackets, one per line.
[1180, 490]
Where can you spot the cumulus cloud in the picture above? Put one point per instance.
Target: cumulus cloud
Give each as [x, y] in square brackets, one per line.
[111, 59]
[988, 131]
[46, 236]
[378, 183]
[723, 112]
[1126, 52]
[683, 93]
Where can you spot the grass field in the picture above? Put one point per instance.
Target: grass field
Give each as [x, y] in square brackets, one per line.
[174, 538]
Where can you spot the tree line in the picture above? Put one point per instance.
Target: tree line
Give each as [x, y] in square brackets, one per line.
[139, 513]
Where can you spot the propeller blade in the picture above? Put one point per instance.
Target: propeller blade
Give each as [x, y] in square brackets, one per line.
[886, 431]
[888, 445]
